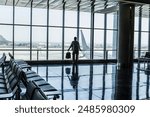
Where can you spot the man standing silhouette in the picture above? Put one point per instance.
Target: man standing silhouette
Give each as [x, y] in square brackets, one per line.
[75, 49]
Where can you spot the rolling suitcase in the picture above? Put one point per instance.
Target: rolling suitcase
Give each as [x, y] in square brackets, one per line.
[68, 55]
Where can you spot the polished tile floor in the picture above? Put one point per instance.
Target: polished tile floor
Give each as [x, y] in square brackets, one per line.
[96, 81]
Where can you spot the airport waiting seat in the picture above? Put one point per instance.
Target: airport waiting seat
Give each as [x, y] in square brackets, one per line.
[47, 88]
[9, 88]
[145, 59]
[30, 75]
[21, 63]
[2, 62]
[147, 55]
[33, 92]
[39, 95]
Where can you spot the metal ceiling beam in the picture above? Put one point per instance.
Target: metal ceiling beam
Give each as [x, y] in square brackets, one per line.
[136, 1]
[40, 2]
[108, 10]
[17, 2]
[28, 3]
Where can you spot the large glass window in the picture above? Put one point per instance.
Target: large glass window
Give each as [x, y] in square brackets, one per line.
[39, 43]
[136, 23]
[85, 19]
[55, 17]
[110, 21]
[99, 20]
[39, 16]
[110, 45]
[55, 43]
[135, 44]
[22, 15]
[39, 33]
[22, 42]
[98, 44]
[6, 14]
[145, 22]
[144, 41]
[5, 39]
[71, 18]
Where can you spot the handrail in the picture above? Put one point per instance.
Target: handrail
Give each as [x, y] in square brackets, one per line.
[38, 50]
[109, 52]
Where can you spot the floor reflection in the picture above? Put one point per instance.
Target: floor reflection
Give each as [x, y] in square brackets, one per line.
[97, 81]
[73, 78]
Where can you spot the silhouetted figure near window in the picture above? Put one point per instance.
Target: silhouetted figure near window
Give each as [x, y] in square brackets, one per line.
[75, 49]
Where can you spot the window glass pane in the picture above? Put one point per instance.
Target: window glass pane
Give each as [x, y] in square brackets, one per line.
[39, 16]
[110, 21]
[135, 44]
[22, 15]
[136, 23]
[85, 19]
[55, 17]
[99, 20]
[6, 14]
[115, 20]
[71, 18]
[98, 44]
[114, 44]
[55, 43]
[144, 42]
[39, 43]
[145, 24]
[22, 42]
[109, 44]
[5, 39]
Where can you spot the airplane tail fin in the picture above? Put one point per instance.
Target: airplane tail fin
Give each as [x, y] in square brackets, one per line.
[84, 44]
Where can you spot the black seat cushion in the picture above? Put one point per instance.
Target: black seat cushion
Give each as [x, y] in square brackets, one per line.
[3, 91]
[39, 95]
[33, 92]
[2, 80]
[30, 90]
[2, 85]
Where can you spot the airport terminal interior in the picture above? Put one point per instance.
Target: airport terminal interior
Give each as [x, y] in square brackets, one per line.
[113, 63]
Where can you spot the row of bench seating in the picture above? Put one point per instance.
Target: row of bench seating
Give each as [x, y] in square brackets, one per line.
[36, 87]
[9, 81]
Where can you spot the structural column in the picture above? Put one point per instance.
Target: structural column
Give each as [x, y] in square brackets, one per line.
[126, 35]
